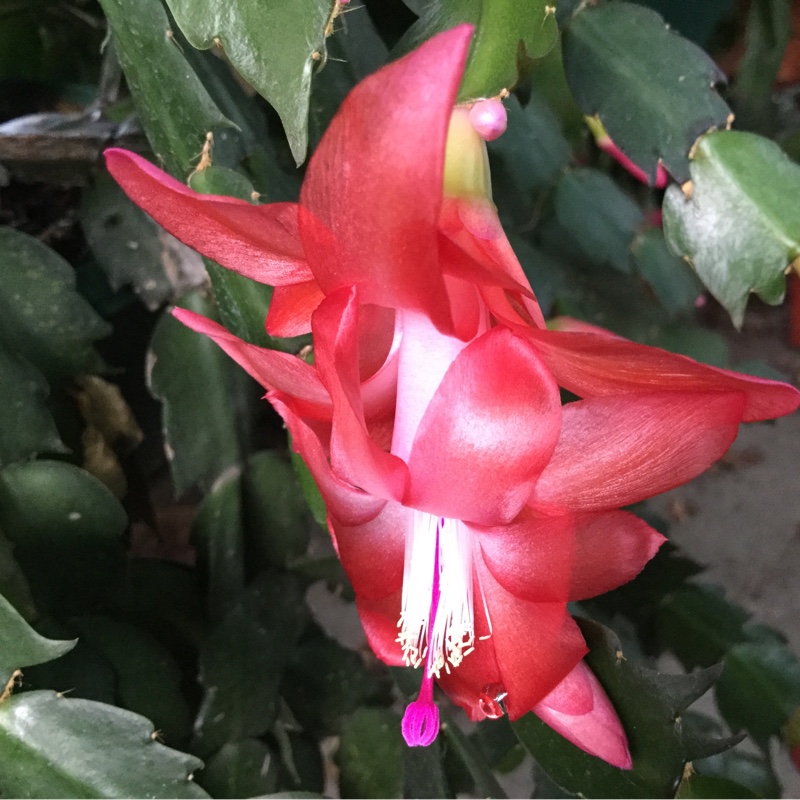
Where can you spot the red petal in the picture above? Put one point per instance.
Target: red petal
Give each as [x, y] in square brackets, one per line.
[579, 709]
[272, 369]
[345, 502]
[354, 455]
[464, 684]
[461, 264]
[544, 559]
[376, 336]
[261, 242]
[487, 433]
[535, 644]
[372, 553]
[371, 197]
[379, 618]
[614, 451]
[291, 308]
[591, 365]
[476, 248]
[467, 308]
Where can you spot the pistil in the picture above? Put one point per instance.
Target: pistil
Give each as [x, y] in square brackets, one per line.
[436, 624]
[420, 724]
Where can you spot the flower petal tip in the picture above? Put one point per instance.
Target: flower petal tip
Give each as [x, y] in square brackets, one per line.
[580, 710]
[420, 724]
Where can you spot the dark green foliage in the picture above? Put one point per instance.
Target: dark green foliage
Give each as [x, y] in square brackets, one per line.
[510, 36]
[42, 317]
[187, 595]
[289, 38]
[652, 89]
[370, 756]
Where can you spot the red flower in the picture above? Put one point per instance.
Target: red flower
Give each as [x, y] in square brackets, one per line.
[467, 505]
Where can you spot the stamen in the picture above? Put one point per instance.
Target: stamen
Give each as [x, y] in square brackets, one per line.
[453, 631]
[438, 562]
[419, 576]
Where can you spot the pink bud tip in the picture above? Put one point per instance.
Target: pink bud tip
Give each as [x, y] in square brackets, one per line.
[488, 118]
[579, 709]
[662, 176]
[420, 724]
[794, 754]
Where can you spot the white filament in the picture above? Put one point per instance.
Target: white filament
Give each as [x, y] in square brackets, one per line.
[453, 634]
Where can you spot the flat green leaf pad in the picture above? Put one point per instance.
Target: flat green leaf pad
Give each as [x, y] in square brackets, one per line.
[740, 228]
[200, 388]
[26, 425]
[652, 89]
[21, 646]
[599, 216]
[51, 746]
[176, 110]
[243, 660]
[759, 688]
[274, 44]
[128, 245]
[42, 316]
[509, 36]
[370, 756]
[66, 528]
[700, 786]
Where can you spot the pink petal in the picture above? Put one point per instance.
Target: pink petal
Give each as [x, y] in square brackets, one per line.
[372, 553]
[590, 365]
[545, 559]
[379, 619]
[519, 316]
[469, 311]
[346, 503]
[460, 264]
[472, 227]
[618, 450]
[376, 337]
[371, 197]
[261, 242]
[355, 457]
[535, 644]
[291, 308]
[579, 709]
[272, 369]
[425, 356]
[487, 433]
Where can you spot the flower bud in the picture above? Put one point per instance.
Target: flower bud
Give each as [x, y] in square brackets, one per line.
[579, 709]
[606, 144]
[489, 118]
